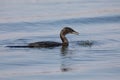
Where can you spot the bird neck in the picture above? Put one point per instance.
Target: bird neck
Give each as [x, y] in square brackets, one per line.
[64, 39]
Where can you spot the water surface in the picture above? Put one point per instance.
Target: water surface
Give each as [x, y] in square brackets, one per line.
[26, 21]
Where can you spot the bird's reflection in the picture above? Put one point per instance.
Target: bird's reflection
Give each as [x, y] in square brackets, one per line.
[66, 59]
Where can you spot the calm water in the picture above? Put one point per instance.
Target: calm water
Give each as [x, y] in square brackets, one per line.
[25, 21]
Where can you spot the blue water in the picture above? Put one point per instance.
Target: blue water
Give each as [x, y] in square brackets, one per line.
[94, 54]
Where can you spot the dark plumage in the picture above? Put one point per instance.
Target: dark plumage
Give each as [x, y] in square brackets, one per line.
[45, 44]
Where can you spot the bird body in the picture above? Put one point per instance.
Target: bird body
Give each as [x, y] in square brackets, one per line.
[44, 44]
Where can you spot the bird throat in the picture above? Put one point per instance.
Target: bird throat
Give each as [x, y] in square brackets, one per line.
[64, 40]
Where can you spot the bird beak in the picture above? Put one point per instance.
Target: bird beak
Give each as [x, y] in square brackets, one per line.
[77, 33]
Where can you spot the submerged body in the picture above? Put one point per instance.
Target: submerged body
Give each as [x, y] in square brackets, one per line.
[45, 44]
[65, 42]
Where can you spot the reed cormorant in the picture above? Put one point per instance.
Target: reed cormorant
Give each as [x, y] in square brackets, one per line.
[44, 44]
